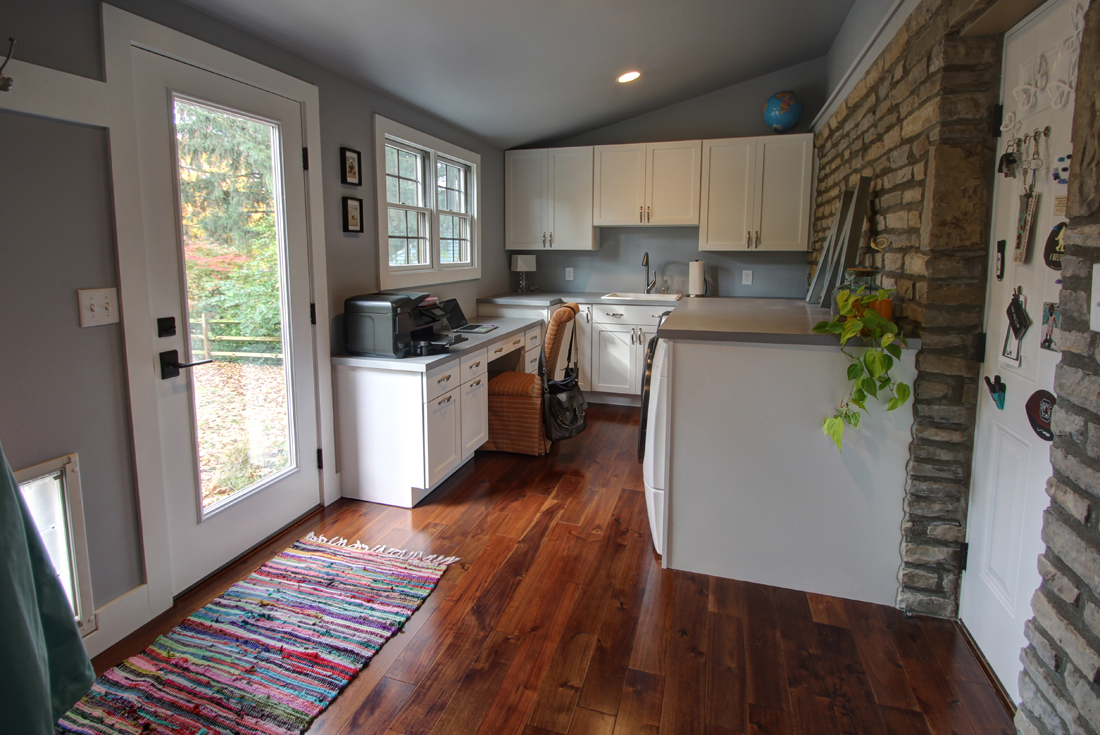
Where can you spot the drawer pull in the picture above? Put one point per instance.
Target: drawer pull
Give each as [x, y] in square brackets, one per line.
[445, 401]
[613, 313]
[476, 383]
[498, 349]
[444, 379]
[517, 341]
[476, 365]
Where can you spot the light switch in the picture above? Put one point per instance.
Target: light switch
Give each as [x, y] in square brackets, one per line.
[569, 274]
[1094, 312]
[746, 278]
[98, 306]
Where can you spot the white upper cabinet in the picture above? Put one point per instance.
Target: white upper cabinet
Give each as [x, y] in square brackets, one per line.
[756, 193]
[548, 199]
[647, 184]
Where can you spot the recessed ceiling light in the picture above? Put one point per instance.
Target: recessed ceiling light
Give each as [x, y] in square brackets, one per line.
[630, 76]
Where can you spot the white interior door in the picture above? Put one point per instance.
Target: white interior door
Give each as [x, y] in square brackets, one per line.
[225, 227]
[1011, 462]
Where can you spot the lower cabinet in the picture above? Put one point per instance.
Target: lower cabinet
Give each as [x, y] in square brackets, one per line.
[615, 358]
[443, 434]
[475, 415]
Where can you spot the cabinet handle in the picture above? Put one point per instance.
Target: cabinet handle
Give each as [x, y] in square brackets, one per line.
[544, 239]
[476, 365]
[640, 215]
[551, 239]
[612, 313]
[588, 315]
[445, 401]
[517, 342]
[498, 349]
[748, 239]
[632, 335]
[758, 239]
[647, 215]
[476, 383]
[444, 379]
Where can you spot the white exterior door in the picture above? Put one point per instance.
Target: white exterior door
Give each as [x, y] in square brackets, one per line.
[569, 206]
[1011, 463]
[727, 208]
[672, 182]
[525, 199]
[784, 174]
[615, 359]
[620, 186]
[225, 227]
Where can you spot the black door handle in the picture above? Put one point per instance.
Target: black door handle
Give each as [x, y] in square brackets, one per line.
[170, 364]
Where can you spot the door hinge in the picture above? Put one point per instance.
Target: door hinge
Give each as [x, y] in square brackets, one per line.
[320, 460]
[998, 120]
[313, 313]
[979, 345]
[964, 553]
[305, 158]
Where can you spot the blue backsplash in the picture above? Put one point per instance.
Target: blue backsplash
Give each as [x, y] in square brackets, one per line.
[617, 265]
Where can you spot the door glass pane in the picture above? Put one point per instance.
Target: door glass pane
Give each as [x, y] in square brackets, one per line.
[230, 183]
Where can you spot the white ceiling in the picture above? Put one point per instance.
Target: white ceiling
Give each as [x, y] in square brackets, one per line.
[518, 71]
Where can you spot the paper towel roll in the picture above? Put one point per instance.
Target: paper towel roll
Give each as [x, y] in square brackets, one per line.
[697, 278]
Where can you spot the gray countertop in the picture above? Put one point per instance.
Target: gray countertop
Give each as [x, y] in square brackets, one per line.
[506, 327]
[774, 321]
[549, 298]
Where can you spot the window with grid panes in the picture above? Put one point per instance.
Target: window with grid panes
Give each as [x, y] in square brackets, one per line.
[428, 193]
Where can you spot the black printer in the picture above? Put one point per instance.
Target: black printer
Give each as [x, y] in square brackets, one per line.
[396, 325]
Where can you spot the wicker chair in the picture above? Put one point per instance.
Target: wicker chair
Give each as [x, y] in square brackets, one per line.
[515, 399]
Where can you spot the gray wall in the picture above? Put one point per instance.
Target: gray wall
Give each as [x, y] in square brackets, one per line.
[861, 22]
[63, 387]
[730, 112]
[57, 237]
[617, 265]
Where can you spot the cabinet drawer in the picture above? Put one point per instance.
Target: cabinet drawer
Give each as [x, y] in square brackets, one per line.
[534, 338]
[633, 314]
[441, 380]
[531, 361]
[473, 365]
[502, 348]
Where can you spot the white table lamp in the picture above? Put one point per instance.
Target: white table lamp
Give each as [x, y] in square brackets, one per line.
[523, 264]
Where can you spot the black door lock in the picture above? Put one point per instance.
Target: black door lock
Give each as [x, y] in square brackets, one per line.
[170, 364]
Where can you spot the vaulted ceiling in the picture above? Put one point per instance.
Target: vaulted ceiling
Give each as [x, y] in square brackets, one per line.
[519, 71]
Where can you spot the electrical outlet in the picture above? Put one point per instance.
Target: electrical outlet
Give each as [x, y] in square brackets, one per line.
[746, 278]
[569, 274]
[98, 306]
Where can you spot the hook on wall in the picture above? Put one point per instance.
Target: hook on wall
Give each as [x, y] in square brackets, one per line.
[6, 82]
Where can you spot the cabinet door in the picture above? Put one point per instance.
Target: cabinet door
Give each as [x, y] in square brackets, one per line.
[583, 347]
[784, 168]
[475, 414]
[443, 430]
[727, 213]
[525, 193]
[615, 358]
[619, 185]
[569, 203]
[672, 182]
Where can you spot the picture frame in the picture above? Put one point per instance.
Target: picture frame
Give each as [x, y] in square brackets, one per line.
[351, 167]
[353, 214]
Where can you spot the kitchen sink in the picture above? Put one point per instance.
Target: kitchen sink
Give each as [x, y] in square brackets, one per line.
[644, 296]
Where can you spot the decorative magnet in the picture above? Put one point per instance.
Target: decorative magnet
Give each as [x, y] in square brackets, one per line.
[997, 389]
[1039, 408]
[1060, 174]
[1052, 327]
[1055, 247]
[1018, 319]
[1001, 246]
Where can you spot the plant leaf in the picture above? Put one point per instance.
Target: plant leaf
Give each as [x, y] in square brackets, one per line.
[869, 386]
[894, 349]
[834, 429]
[852, 327]
[902, 391]
[887, 363]
[853, 419]
[886, 340]
[855, 371]
[894, 403]
[873, 360]
[821, 328]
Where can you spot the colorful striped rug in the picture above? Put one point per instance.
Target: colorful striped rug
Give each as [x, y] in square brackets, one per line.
[270, 654]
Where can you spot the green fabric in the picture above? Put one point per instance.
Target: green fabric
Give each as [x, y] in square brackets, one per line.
[44, 668]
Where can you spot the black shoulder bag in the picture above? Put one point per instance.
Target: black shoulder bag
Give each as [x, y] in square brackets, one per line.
[563, 403]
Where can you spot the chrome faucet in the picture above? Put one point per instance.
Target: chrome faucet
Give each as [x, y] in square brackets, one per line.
[649, 284]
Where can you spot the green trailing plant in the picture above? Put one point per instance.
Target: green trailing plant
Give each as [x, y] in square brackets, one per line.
[869, 370]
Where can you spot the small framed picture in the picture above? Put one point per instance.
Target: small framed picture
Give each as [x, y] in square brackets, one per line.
[351, 171]
[353, 214]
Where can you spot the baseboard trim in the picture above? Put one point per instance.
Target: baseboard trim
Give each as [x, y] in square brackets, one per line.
[994, 680]
[118, 619]
[613, 399]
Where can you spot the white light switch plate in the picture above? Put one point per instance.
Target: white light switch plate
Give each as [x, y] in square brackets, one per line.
[746, 278]
[98, 306]
[569, 274]
[1094, 312]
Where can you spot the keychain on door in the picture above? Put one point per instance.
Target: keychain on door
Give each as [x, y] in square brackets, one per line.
[1029, 199]
[1009, 161]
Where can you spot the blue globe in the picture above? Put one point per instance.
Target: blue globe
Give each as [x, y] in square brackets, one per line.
[782, 111]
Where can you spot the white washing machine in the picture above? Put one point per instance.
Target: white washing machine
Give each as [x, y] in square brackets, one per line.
[653, 438]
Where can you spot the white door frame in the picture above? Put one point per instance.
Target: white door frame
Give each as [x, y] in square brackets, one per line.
[53, 94]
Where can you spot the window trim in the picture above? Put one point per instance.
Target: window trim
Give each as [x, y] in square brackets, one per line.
[415, 276]
[69, 466]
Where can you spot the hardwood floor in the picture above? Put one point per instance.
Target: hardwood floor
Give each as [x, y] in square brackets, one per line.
[559, 619]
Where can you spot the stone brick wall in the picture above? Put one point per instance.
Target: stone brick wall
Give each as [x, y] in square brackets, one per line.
[1062, 661]
[920, 123]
